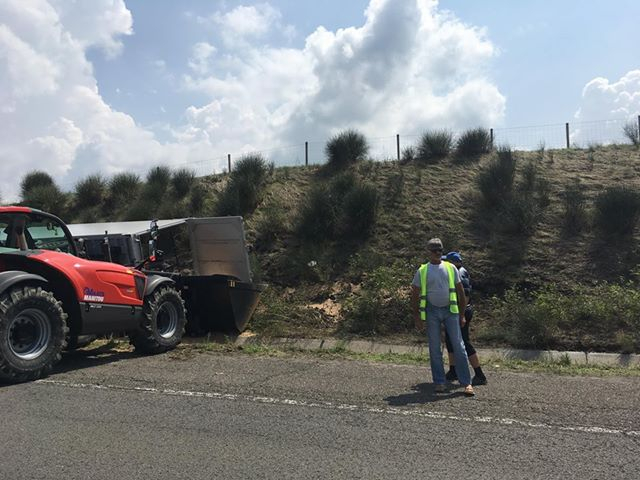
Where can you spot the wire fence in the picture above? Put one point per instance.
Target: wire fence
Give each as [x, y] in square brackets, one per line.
[552, 136]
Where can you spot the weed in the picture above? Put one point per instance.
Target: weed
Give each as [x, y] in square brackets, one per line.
[274, 221]
[343, 208]
[473, 143]
[617, 210]
[632, 132]
[48, 198]
[90, 191]
[409, 154]
[434, 145]
[496, 181]
[575, 215]
[346, 148]
[245, 188]
[123, 186]
[34, 179]
[182, 181]
[394, 188]
[381, 307]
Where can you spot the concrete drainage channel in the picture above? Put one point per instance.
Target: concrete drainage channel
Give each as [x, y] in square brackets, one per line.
[365, 346]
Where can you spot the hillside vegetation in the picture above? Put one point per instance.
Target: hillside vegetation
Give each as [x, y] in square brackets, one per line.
[549, 236]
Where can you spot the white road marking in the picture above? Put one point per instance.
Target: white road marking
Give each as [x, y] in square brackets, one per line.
[344, 406]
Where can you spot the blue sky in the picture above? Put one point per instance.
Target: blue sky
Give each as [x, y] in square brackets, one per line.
[112, 85]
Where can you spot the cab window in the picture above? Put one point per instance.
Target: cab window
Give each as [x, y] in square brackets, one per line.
[46, 234]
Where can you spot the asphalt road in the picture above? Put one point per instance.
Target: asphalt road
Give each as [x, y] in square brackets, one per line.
[200, 416]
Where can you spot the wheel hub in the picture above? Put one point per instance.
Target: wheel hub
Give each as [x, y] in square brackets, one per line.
[29, 334]
[167, 320]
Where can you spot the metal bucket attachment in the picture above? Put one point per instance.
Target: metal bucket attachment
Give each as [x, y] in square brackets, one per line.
[218, 304]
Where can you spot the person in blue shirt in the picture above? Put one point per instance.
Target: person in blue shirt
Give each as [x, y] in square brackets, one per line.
[479, 377]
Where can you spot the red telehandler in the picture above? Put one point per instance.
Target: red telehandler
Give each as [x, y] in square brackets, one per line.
[49, 297]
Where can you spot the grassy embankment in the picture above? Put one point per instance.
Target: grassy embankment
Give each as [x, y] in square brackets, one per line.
[338, 245]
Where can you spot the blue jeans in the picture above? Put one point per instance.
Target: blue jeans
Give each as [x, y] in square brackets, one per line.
[436, 316]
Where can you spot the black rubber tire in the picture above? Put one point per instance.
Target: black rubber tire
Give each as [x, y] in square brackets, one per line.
[33, 331]
[164, 319]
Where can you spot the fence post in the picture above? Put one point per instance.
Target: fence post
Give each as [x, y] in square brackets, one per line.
[491, 138]
[566, 129]
[229, 161]
[638, 127]
[306, 154]
[398, 146]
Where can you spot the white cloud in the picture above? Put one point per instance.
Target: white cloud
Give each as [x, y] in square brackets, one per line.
[53, 115]
[243, 24]
[616, 102]
[98, 23]
[407, 68]
[200, 61]
[602, 100]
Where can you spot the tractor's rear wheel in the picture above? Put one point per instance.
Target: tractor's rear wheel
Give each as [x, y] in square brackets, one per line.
[164, 319]
[33, 329]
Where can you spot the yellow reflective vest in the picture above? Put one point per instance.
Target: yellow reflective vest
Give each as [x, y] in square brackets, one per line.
[453, 297]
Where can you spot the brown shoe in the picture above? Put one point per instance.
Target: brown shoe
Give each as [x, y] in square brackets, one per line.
[468, 391]
[441, 388]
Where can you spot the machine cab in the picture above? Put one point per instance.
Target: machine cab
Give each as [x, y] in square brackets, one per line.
[24, 228]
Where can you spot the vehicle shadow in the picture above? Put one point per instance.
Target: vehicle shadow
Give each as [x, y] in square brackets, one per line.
[73, 360]
[87, 358]
[423, 393]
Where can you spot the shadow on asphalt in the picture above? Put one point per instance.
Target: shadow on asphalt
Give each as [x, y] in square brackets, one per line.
[423, 393]
[102, 355]
[79, 359]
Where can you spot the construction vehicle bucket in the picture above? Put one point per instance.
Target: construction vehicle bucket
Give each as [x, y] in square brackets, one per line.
[216, 303]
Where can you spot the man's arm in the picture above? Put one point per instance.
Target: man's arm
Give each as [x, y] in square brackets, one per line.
[415, 306]
[462, 302]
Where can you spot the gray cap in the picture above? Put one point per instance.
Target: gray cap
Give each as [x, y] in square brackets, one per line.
[435, 243]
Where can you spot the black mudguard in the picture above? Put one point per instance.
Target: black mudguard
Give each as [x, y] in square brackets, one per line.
[13, 277]
[154, 281]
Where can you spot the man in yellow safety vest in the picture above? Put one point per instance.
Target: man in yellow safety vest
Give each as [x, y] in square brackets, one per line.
[437, 298]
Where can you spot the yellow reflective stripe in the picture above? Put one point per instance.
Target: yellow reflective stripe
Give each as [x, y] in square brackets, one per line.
[423, 291]
[453, 297]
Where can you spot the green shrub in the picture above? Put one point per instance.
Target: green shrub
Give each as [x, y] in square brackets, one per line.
[359, 211]
[318, 213]
[182, 181]
[409, 154]
[197, 199]
[48, 198]
[495, 182]
[246, 185]
[346, 148]
[630, 130]
[473, 142]
[90, 192]
[273, 222]
[123, 187]
[602, 316]
[575, 214]
[381, 307]
[434, 145]
[617, 210]
[394, 188]
[140, 208]
[344, 208]
[519, 215]
[158, 181]
[34, 179]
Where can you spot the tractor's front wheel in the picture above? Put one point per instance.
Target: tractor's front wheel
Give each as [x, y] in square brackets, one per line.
[164, 319]
[33, 329]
